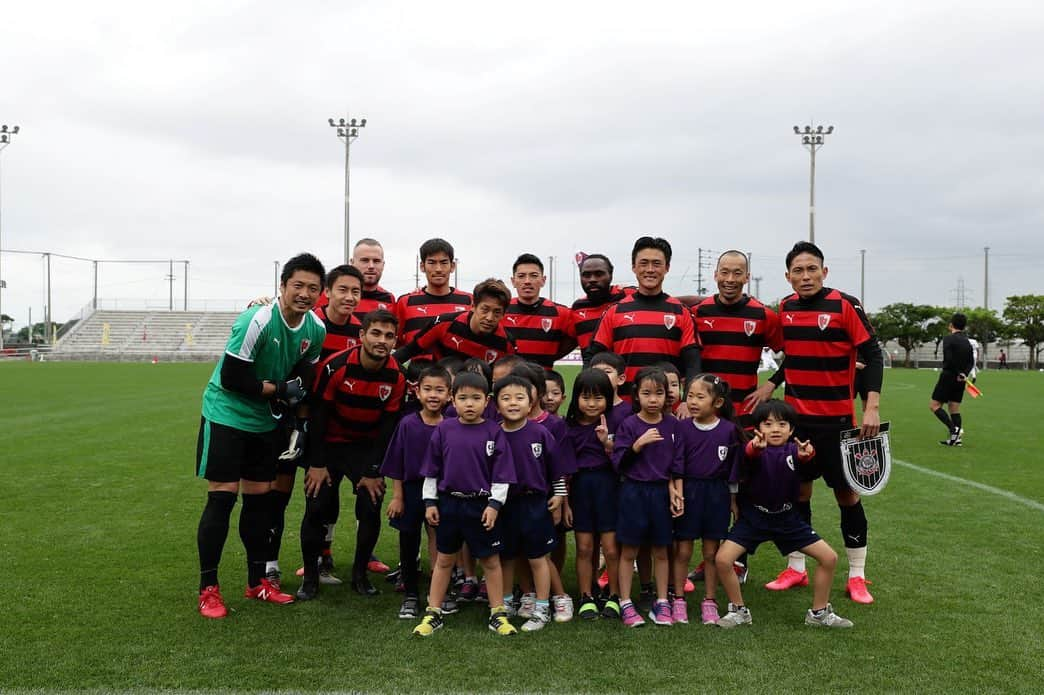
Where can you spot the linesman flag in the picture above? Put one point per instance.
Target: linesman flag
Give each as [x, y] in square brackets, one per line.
[866, 463]
[972, 389]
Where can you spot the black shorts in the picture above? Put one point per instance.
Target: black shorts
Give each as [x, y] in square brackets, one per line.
[526, 527]
[827, 462]
[226, 455]
[786, 529]
[351, 460]
[948, 389]
[413, 507]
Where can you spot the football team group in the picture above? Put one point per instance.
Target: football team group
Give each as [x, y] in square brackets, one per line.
[666, 437]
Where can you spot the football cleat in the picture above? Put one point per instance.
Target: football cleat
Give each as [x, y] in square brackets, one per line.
[788, 579]
[737, 615]
[741, 571]
[375, 565]
[267, 593]
[211, 604]
[826, 618]
[309, 590]
[275, 578]
[326, 575]
[689, 586]
[363, 587]
[857, 591]
[431, 622]
[697, 574]
[603, 579]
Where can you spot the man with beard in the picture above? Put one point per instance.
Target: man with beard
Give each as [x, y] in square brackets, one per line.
[596, 280]
[356, 406]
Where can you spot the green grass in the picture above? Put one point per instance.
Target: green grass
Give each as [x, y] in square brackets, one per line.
[98, 522]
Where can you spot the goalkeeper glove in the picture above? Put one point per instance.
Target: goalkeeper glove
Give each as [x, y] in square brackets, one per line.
[298, 441]
[292, 391]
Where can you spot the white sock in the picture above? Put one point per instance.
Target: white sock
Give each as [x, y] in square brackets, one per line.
[329, 532]
[271, 565]
[796, 561]
[856, 562]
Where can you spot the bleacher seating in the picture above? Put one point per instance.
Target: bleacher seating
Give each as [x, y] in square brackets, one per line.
[145, 335]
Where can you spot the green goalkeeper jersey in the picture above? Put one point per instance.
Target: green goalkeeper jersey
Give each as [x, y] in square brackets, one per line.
[261, 336]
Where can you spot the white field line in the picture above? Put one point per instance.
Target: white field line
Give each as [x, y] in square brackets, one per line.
[1032, 504]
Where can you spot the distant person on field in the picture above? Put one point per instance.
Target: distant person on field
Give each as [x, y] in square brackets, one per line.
[1003, 360]
[958, 362]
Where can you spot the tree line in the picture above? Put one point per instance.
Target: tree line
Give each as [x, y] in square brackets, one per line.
[913, 325]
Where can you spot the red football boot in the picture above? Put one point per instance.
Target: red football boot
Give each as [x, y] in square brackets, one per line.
[856, 590]
[268, 593]
[788, 579]
[211, 604]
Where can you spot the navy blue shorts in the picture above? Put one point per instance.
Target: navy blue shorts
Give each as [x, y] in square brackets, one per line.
[786, 529]
[460, 522]
[644, 514]
[593, 497]
[707, 510]
[526, 528]
[412, 518]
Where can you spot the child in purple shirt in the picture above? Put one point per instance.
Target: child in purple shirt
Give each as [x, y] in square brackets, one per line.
[768, 494]
[467, 470]
[402, 464]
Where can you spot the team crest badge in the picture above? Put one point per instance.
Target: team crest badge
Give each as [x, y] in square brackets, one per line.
[537, 448]
[790, 462]
[491, 446]
[491, 356]
[384, 390]
[824, 321]
[545, 324]
[669, 320]
[749, 327]
[382, 306]
[723, 451]
[305, 344]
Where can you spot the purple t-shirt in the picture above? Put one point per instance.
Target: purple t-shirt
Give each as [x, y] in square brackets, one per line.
[537, 460]
[617, 414]
[490, 412]
[774, 479]
[468, 458]
[587, 450]
[560, 431]
[402, 460]
[710, 454]
[657, 461]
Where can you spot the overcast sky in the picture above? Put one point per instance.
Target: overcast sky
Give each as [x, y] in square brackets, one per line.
[198, 131]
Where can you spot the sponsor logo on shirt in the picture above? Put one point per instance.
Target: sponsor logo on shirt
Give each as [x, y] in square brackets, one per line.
[789, 317]
[710, 324]
[629, 317]
[350, 384]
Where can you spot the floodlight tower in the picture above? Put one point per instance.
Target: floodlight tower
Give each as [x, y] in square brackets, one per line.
[7, 134]
[347, 132]
[812, 139]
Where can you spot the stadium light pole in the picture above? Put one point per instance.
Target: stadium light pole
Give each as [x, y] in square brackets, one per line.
[347, 132]
[7, 134]
[812, 139]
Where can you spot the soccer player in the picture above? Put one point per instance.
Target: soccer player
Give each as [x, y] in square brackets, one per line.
[958, 362]
[542, 330]
[368, 257]
[648, 326]
[596, 279]
[419, 308]
[269, 356]
[343, 288]
[477, 332]
[355, 410]
[823, 332]
[733, 328]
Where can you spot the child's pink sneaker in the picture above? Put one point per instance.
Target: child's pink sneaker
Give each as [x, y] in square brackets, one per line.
[709, 611]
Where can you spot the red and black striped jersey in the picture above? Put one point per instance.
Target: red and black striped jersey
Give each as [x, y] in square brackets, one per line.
[418, 308]
[645, 330]
[357, 396]
[731, 337]
[542, 331]
[586, 314]
[378, 298]
[820, 337]
[450, 335]
[338, 337]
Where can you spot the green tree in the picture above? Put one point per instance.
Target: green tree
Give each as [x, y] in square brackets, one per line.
[910, 325]
[985, 326]
[1024, 315]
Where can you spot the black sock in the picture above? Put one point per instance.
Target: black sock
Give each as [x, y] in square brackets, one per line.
[253, 531]
[804, 510]
[854, 525]
[369, 516]
[956, 418]
[944, 418]
[409, 545]
[211, 535]
[277, 503]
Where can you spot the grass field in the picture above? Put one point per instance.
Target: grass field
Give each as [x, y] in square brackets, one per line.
[97, 540]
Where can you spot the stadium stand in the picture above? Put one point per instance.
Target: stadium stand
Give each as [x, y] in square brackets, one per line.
[146, 335]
